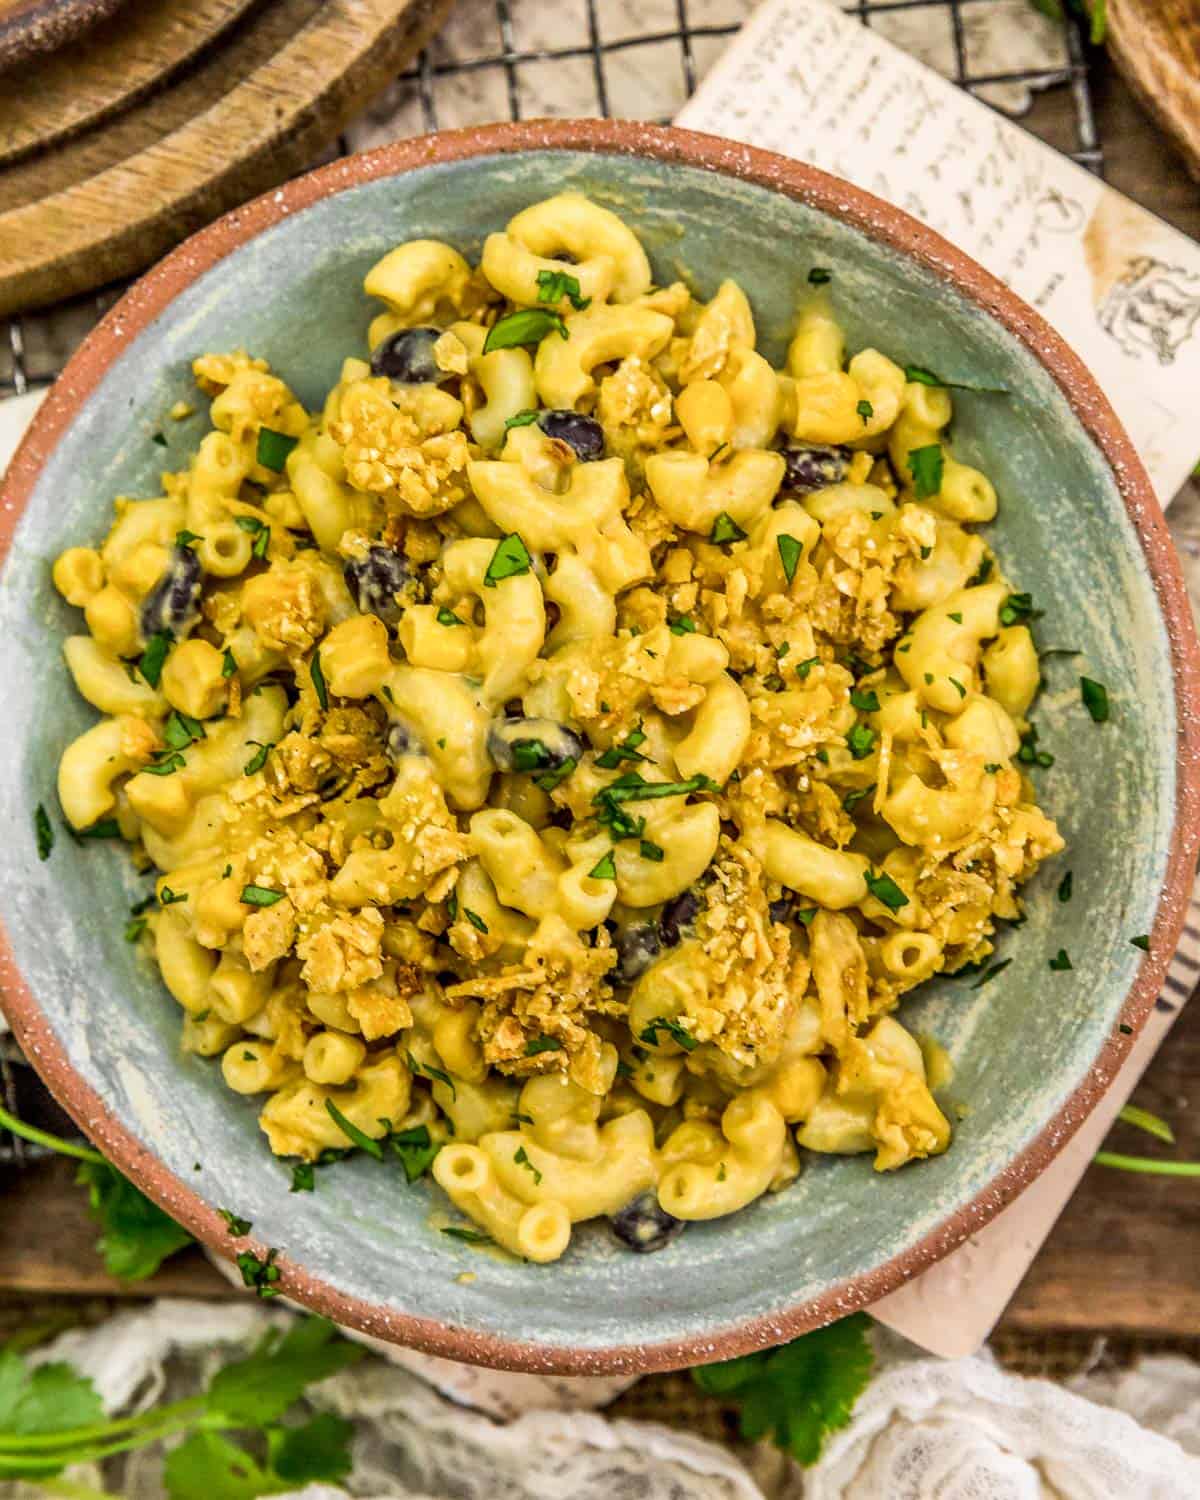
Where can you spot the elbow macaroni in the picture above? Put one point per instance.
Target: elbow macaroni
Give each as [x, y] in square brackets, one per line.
[575, 789]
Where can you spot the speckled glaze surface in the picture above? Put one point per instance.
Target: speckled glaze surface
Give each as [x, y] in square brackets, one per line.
[1079, 527]
[28, 27]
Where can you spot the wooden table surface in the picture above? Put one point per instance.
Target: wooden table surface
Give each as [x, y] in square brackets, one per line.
[1122, 1259]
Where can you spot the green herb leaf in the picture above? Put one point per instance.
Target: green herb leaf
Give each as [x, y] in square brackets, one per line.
[229, 664]
[475, 919]
[958, 687]
[918, 376]
[522, 419]
[651, 851]
[135, 1235]
[604, 869]
[799, 1394]
[259, 1274]
[1142, 942]
[866, 700]
[631, 787]
[168, 897]
[851, 800]
[803, 668]
[186, 538]
[416, 1149]
[819, 276]
[360, 1138]
[510, 559]
[468, 1236]
[1095, 699]
[885, 889]
[529, 326]
[726, 529]
[273, 448]
[258, 1389]
[448, 618]
[790, 552]
[674, 1029]
[1060, 961]
[180, 731]
[107, 828]
[865, 410]
[316, 672]
[167, 763]
[627, 749]
[259, 759]
[260, 895]
[43, 832]
[522, 1160]
[542, 1044]
[427, 1070]
[990, 973]
[926, 466]
[683, 625]
[1065, 885]
[159, 439]
[155, 654]
[861, 741]
[238, 1227]
[304, 1177]
[1016, 609]
[553, 286]
[557, 774]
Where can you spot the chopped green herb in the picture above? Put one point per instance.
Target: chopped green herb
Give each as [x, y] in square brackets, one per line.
[415, 1149]
[1017, 608]
[992, 767]
[510, 559]
[604, 869]
[1060, 961]
[160, 439]
[529, 755]
[866, 411]
[468, 1236]
[926, 466]
[522, 1160]
[851, 800]
[168, 897]
[918, 376]
[557, 774]
[238, 1227]
[186, 538]
[229, 664]
[304, 1178]
[259, 759]
[683, 625]
[155, 654]
[273, 448]
[448, 617]
[819, 276]
[180, 730]
[260, 895]
[866, 700]
[651, 851]
[803, 668]
[553, 286]
[260, 1275]
[317, 674]
[806, 916]
[674, 1029]
[134, 929]
[885, 890]
[542, 1044]
[43, 831]
[990, 973]
[954, 682]
[475, 919]
[726, 529]
[623, 1069]
[349, 1129]
[631, 787]
[427, 1070]
[529, 326]
[956, 616]
[166, 763]
[790, 552]
[720, 448]
[1064, 886]
[522, 419]
[1095, 699]
[1142, 941]
[928, 678]
[981, 574]
[861, 741]
[782, 651]
[628, 749]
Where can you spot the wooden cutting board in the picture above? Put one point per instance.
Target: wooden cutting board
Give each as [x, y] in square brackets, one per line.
[1156, 45]
[114, 148]
[29, 26]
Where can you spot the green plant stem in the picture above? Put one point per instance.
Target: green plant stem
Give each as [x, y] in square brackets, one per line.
[1151, 1124]
[44, 1138]
[13, 1445]
[1147, 1164]
[72, 1491]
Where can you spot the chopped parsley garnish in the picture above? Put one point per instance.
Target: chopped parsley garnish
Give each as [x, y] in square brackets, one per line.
[628, 749]
[806, 916]
[522, 419]
[990, 973]
[956, 616]
[982, 573]
[229, 664]
[803, 668]
[631, 787]
[651, 851]
[926, 466]
[1060, 961]
[529, 326]
[304, 1178]
[510, 559]
[273, 448]
[726, 529]
[522, 1160]
[851, 800]
[1064, 886]
[106, 828]
[861, 741]
[166, 763]
[475, 919]
[43, 831]
[259, 759]
[260, 895]
[553, 286]
[918, 376]
[885, 890]
[1142, 941]
[318, 680]
[673, 1028]
[1029, 754]
[529, 755]
[790, 552]
[468, 1236]
[819, 276]
[448, 617]
[550, 779]
[350, 1129]
[160, 439]
[180, 730]
[542, 1044]
[427, 1070]
[865, 410]
[259, 531]
[238, 1227]
[866, 700]
[683, 625]
[168, 897]
[134, 929]
[260, 1275]
[415, 1149]
[155, 654]
[1016, 608]
[954, 682]
[992, 767]
[186, 538]
[604, 869]
[1095, 699]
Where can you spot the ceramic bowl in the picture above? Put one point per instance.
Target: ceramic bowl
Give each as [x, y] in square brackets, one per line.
[1078, 526]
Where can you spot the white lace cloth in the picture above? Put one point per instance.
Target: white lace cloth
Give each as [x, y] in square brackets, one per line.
[924, 1430]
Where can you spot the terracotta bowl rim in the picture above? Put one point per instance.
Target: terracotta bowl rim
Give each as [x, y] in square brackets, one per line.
[882, 223]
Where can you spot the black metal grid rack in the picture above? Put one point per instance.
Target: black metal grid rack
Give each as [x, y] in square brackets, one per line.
[426, 83]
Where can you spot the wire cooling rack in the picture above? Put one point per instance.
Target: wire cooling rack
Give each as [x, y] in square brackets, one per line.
[501, 48]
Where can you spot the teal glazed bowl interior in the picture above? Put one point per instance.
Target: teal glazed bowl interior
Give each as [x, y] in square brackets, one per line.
[1078, 527]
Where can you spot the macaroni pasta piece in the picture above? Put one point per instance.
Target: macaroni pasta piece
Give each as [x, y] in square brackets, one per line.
[562, 752]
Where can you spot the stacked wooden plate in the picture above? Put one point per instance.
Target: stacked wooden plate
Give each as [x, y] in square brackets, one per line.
[119, 142]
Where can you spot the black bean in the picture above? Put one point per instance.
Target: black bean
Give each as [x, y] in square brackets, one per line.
[781, 910]
[532, 745]
[584, 434]
[407, 357]
[675, 916]
[171, 603]
[812, 467]
[402, 740]
[375, 580]
[637, 948]
[644, 1225]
